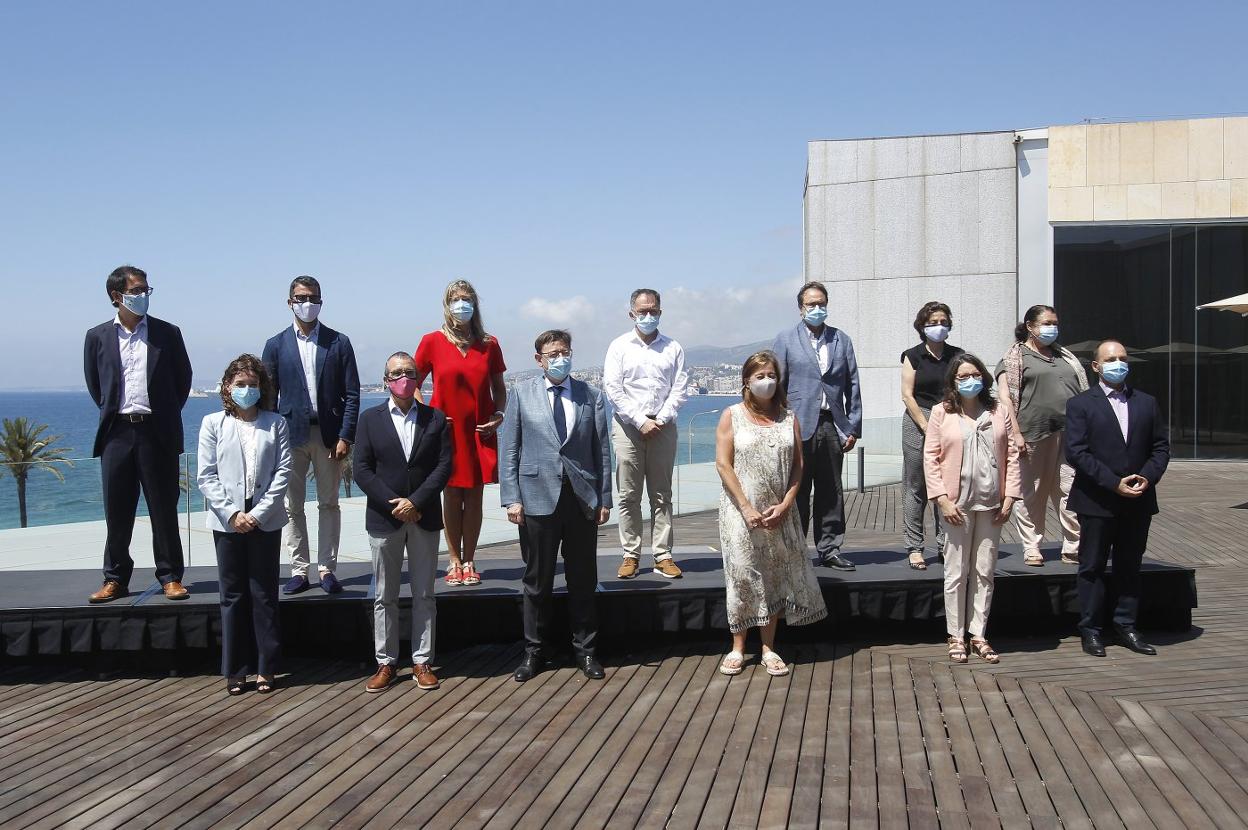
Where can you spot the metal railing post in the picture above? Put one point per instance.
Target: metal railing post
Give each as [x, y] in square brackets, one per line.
[862, 470]
[186, 468]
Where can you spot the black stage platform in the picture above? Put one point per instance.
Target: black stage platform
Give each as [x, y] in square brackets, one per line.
[46, 613]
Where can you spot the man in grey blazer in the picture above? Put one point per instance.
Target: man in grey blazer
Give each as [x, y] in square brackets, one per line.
[820, 376]
[555, 481]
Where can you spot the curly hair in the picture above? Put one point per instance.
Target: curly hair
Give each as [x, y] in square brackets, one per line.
[953, 398]
[928, 309]
[246, 363]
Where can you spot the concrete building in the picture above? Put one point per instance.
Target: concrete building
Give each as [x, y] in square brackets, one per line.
[1123, 227]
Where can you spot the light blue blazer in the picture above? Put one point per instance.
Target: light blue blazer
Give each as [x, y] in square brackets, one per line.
[805, 385]
[221, 477]
[532, 464]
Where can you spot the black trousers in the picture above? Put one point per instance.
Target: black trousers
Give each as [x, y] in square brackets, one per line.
[134, 457]
[822, 458]
[1122, 539]
[541, 538]
[251, 638]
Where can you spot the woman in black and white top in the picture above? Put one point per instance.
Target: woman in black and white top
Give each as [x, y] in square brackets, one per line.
[244, 468]
[924, 369]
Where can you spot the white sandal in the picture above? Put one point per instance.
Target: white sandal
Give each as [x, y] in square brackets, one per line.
[724, 668]
[775, 664]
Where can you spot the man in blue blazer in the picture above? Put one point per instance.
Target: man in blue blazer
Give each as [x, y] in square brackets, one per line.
[318, 393]
[402, 463]
[820, 376]
[1117, 442]
[555, 481]
[139, 375]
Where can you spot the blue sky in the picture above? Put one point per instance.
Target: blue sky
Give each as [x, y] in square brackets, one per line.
[555, 154]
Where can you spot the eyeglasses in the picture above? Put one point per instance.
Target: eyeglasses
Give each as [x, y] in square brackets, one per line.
[823, 304]
[408, 375]
[315, 299]
[976, 376]
[560, 353]
[139, 292]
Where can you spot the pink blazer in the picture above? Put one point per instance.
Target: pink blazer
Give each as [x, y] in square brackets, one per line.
[942, 454]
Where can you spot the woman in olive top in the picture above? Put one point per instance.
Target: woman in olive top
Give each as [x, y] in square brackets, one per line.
[924, 369]
[1034, 380]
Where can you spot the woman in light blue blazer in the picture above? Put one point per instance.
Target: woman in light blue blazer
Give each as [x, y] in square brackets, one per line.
[244, 468]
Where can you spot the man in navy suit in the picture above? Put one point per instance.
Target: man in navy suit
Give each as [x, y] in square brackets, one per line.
[554, 477]
[1118, 445]
[402, 463]
[318, 392]
[139, 375]
[820, 375]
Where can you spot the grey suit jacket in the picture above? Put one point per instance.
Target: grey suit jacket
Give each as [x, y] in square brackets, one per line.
[221, 476]
[532, 464]
[806, 385]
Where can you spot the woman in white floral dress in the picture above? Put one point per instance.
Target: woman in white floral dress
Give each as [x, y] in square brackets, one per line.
[758, 453]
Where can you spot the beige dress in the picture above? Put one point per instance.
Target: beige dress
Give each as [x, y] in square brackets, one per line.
[767, 571]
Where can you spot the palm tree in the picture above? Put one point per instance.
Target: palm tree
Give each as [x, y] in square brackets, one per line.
[24, 448]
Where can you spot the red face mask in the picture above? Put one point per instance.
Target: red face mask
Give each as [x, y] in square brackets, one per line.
[402, 387]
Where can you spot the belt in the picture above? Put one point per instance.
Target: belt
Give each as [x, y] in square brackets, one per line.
[134, 417]
[653, 417]
[825, 413]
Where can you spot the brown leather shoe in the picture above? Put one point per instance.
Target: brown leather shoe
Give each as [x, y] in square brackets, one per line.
[628, 568]
[174, 590]
[108, 592]
[424, 677]
[667, 567]
[380, 681]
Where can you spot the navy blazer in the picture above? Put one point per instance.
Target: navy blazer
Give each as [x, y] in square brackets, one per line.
[382, 472]
[1094, 447]
[168, 379]
[337, 385]
[806, 386]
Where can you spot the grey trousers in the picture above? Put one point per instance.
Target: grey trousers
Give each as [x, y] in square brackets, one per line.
[421, 547]
[914, 487]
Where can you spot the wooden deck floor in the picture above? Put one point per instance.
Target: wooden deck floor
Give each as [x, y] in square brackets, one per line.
[862, 734]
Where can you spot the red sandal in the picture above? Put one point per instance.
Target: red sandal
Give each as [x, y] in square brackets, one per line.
[455, 575]
[471, 577]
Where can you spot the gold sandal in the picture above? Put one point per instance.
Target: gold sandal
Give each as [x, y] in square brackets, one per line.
[957, 650]
[984, 651]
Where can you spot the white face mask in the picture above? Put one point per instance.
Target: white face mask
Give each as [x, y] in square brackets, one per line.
[763, 388]
[307, 312]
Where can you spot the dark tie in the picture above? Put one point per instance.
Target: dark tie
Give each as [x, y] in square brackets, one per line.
[561, 421]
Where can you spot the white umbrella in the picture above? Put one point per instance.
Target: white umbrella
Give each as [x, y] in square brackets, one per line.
[1237, 304]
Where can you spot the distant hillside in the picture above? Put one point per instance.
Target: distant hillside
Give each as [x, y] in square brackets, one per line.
[712, 355]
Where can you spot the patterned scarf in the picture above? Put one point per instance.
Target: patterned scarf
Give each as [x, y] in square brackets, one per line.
[1014, 369]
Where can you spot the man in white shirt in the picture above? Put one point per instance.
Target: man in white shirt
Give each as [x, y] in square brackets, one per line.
[645, 380]
[139, 375]
[318, 393]
[402, 463]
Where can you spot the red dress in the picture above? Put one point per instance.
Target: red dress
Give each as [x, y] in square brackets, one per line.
[461, 389]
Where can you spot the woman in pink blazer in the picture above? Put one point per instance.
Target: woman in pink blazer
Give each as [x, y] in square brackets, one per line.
[971, 468]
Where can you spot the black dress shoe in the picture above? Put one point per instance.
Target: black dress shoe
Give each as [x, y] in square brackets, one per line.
[530, 666]
[1092, 645]
[835, 560]
[1130, 638]
[591, 667]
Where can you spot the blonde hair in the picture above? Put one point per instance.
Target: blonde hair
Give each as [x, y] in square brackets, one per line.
[451, 326]
[753, 363]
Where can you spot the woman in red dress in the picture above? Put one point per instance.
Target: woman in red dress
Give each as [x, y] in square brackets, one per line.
[467, 367]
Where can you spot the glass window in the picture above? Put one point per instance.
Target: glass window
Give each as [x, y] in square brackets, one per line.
[1141, 284]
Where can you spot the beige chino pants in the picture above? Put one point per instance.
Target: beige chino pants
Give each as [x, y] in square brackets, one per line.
[328, 472]
[644, 462]
[1046, 478]
[970, 561]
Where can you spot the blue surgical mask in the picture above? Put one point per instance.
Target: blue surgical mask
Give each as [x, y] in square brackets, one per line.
[815, 316]
[1114, 371]
[462, 310]
[1047, 334]
[135, 303]
[558, 368]
[970, 387]
[245, 396]
[936, 334]
[647, 324]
